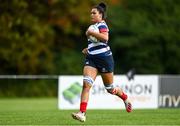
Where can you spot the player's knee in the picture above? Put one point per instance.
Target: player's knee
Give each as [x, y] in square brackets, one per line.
[111, 89]
[88, 81]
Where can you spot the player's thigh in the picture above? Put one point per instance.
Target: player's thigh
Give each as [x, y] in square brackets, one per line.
[90, 72]
[107, 78]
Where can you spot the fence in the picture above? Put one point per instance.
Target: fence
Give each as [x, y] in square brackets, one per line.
[28, 85]
[47, 86]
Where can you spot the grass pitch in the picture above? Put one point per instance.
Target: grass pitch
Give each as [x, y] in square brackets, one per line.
[43, 111]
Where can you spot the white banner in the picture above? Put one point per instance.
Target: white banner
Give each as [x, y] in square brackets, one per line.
[142, 92]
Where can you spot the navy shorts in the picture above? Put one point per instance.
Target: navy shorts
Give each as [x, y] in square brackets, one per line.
[104, 64]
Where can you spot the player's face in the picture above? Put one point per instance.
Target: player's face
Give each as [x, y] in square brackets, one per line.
[95, 15]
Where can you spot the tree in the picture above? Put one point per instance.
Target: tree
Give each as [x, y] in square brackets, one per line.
[26, 39]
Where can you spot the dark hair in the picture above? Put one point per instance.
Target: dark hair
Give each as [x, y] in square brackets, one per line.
[101, 7]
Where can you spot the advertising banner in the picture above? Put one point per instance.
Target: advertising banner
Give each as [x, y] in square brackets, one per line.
[142, 92]
[169, 92]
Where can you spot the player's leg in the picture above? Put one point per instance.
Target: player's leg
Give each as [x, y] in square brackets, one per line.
[90, 74]
[108, 83]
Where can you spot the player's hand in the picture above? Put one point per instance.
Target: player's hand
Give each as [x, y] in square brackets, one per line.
[85, 51]
[89, 32]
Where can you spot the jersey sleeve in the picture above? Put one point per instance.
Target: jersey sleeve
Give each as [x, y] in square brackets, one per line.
[103, 28]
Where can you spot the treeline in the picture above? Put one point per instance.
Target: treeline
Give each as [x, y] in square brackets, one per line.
[47, 36]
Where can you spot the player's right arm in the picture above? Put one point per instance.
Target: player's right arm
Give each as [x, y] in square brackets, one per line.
[103, 36]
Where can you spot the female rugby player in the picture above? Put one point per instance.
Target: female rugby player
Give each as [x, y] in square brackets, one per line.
[99, 59]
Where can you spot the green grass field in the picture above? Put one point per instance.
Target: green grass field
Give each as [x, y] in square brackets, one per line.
[29, 111]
